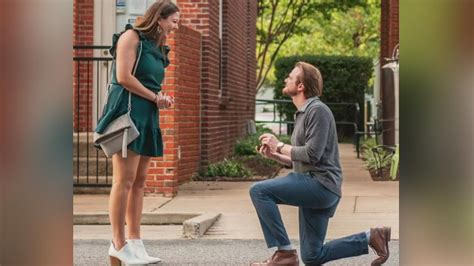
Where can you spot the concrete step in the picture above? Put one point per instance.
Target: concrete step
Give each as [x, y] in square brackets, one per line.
[89, 184]
[91, 190]
[93, 179]
[92, 166]
[82, 143]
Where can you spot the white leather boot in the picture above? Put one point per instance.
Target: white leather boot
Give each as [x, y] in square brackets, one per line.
[124, 255]
[140, 251]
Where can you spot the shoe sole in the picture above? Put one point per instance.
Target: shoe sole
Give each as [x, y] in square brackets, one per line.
[388, 237]
[388, 233]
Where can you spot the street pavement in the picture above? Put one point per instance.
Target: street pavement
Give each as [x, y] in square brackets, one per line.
[208, 252]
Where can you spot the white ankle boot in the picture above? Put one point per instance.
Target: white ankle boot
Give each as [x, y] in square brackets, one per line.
[140, 251]
[125, 255]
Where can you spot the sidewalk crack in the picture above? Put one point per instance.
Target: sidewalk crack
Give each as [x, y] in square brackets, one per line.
[355, 204]
[155, 209]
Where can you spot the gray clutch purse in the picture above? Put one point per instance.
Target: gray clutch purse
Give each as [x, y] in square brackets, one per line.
[121, 131]
[118, 134]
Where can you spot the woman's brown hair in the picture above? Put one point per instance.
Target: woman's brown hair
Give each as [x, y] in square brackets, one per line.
[149, 24]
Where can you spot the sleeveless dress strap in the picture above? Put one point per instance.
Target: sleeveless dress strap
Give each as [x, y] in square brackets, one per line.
[116, 36]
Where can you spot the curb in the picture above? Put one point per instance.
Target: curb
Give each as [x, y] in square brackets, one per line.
[91, 190]
[147, 218]
[196, 227]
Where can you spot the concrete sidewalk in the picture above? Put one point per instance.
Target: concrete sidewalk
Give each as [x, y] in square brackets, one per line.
[364, 204]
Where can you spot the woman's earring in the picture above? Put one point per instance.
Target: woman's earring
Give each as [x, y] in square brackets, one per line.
[159, 28]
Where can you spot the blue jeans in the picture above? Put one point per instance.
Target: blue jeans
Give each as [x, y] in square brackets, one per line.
[316, 205]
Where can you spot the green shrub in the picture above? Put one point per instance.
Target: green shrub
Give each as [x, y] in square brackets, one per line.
[261, 129]
[246, 146]
[345, 79]
[368, 143]
[377, 157]
[227, 167]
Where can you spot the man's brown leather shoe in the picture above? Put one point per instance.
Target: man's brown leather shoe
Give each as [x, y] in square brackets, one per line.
[280, 257]
[378, 241]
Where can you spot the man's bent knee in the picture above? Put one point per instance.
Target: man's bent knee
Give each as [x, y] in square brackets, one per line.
[312, 262]
[311, 259]
[256, 190]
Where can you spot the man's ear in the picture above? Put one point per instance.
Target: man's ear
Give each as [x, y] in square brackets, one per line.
[300, 86]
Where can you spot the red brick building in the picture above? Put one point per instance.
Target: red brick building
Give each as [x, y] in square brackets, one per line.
[389, 41]
[212, 76]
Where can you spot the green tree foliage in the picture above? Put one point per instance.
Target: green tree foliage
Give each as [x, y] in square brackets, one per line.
[332, 27]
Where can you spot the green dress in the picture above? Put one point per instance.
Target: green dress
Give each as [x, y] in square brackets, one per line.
[150, 72]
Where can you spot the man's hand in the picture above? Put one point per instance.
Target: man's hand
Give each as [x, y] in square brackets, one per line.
[270, 141]
[265, 151]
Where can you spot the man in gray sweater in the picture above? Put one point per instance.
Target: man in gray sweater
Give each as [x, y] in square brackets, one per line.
[314, 186]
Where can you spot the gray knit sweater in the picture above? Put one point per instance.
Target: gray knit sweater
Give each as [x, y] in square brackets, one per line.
[315, 148]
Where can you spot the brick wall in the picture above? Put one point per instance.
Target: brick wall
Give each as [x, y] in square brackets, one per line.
[180, 125]
[212, 79]
[227, 93]
[188, 116]
[83, 12]
[389, 39]
[238, 70]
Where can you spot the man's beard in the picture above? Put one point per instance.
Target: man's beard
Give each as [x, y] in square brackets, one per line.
[289, 92]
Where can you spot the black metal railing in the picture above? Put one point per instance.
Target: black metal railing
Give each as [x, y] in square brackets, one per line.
[92, 168]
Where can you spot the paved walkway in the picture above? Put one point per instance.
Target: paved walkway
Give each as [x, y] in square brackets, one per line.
[364, 204]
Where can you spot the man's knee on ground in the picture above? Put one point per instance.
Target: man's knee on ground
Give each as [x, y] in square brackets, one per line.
[311, 259]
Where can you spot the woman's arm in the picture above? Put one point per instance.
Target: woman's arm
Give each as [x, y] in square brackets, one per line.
[126, 57]
[125, 60]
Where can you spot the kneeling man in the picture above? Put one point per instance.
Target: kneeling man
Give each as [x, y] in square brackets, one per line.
[314, 186]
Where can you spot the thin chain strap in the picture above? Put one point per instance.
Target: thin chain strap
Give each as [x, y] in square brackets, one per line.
[134, 70]
[129, 109]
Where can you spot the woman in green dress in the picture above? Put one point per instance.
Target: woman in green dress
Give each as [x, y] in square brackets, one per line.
[145, 41]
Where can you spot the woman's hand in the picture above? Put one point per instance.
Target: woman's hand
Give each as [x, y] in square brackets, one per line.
[170, 100]
[164, 101]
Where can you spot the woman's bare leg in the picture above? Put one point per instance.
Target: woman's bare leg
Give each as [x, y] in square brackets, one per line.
[135, 199]
[124, 173]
